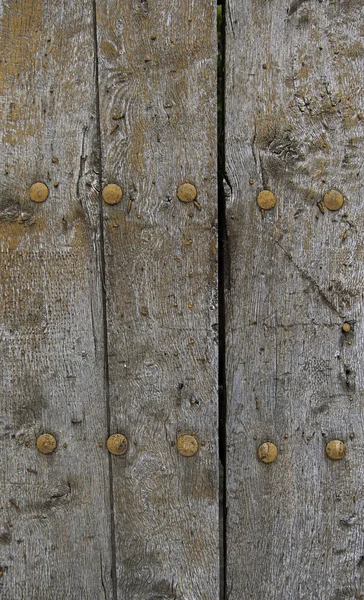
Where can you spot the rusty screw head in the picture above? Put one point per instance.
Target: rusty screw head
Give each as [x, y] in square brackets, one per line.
[38, 192]
[333, 200]
[346, 327]
[335, 449]
[117, 444]
[187, 445]
[187, 192]
[267, 452]
[46, 443]
[266, 200]
[112, 193]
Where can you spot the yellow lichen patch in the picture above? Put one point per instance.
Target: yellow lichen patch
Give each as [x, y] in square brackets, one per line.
[21, 23]
[266, 126]
[80, 234]
[116, 220]
[320, 143]
[21, 26]
[108, 50]
[137, 150]
[303, 73]
[22, 122]
[12, 233]
[354, 50]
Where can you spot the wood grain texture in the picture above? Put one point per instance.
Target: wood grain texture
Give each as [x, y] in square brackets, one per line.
[157, 77]
[294, 90]
[54, 509]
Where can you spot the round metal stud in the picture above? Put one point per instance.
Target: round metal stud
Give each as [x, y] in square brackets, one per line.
[335, 449]
[267, 452]
[266, 200]
[117, 444]
[187, 445]
[333, 200]
[38, 192]
[187, 192]
[46, 443]
[112, 193]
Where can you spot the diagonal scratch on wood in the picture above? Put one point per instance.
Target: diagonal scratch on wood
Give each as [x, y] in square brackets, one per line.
[295, 6]
[102, 576]
[230, 19]
[310, 279]
[83, 159]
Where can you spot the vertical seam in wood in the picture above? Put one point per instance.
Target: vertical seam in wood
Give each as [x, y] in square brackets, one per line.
[104, 305]
[221, 287]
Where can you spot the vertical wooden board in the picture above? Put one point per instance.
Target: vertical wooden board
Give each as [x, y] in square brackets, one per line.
[54, 509]
[294, 125]
[157, 77]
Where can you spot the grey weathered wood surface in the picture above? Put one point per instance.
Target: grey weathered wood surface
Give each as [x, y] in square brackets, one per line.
[157, 79]
[55, 538]
[294, 90]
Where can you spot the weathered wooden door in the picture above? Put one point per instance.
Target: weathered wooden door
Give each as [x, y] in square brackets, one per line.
[108, 305]
[116, 331]
[294, 276]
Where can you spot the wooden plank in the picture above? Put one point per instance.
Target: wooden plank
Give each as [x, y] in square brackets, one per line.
[294, 125]
[157, 77]
[54, 509]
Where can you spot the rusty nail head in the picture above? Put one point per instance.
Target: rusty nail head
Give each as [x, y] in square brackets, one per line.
[187, 192]
[267, 452]
[335, 449]
[346, 327]
[187, 445]
[46, 443]
[38, 192]
[333, 200]
[112, 193]
[266, 200]
[117, 444]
